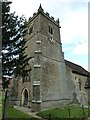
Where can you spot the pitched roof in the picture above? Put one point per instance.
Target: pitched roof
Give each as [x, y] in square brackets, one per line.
[77, 68]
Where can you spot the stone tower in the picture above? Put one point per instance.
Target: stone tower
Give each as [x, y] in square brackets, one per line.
[48, 76]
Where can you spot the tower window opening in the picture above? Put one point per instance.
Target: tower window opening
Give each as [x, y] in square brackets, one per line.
[50, 29]
[26, 77]
[30, 30]
[79, 84]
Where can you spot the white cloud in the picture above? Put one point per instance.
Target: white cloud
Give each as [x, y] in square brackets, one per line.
[75, 26]
[81, 49]
[74, 32]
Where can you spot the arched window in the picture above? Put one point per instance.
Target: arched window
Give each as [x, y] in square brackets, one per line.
[25, 97]
[50, 29]
[26, 75]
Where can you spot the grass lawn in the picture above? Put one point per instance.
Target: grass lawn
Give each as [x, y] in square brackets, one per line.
[0, 111]
[13, 113]
[0, 99]
[74, 112]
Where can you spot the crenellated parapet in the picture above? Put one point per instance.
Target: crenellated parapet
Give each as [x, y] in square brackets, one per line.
[41, 11]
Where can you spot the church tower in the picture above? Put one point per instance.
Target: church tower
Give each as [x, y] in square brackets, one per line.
[48, 74]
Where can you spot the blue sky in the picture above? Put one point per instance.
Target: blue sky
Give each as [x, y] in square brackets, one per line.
[73, 16]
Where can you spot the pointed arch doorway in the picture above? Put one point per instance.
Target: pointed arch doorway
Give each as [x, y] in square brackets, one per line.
[25, 97]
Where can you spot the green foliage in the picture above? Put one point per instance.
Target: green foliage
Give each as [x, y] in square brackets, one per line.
[5, 41]
[14, 60]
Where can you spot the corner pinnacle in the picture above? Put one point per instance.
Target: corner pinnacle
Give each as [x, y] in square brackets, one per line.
[40, 8]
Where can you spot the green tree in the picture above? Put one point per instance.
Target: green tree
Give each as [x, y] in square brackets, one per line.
[22, 59]
[14, 59]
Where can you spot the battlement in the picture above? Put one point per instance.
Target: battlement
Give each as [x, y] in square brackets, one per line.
[40, 10]
[34, 14]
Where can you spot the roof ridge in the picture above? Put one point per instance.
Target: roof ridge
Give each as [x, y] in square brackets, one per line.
[77, 68]
[76, 64]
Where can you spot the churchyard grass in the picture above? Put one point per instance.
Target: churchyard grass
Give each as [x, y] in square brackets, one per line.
[16, 114]
[65, 112]
[13, 113]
